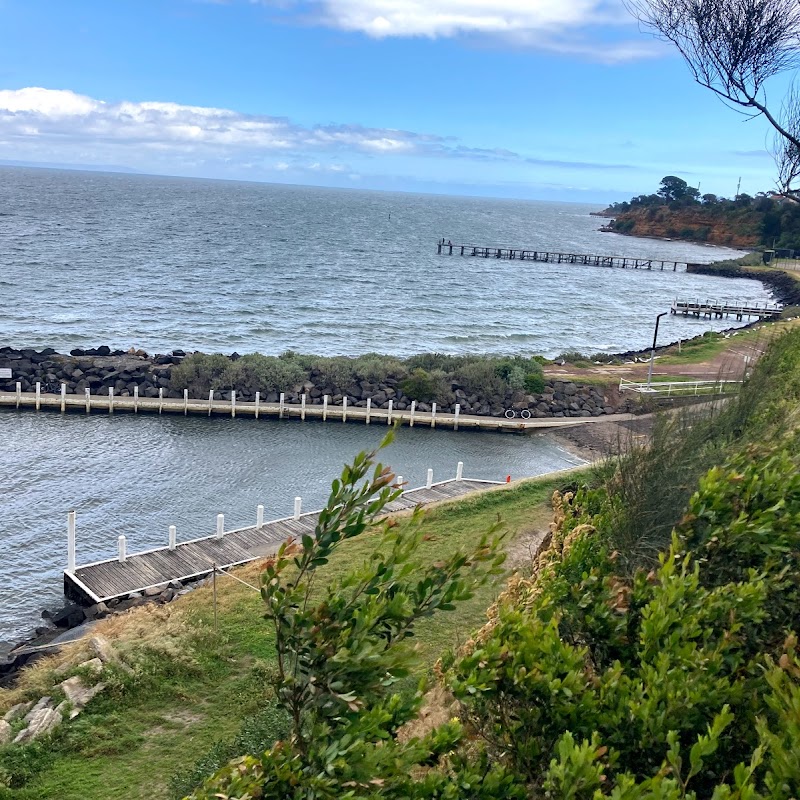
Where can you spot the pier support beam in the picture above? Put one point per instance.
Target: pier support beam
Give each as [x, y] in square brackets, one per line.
[160, 399]
[369, 409]
[411, 417]
[281, 402]
[298, 507]
[433, 415]
[259, 516]
[63, 397]
[110, 399]
[173, 537]
[389, 414]
[38, 395]
[325, 408]
[122, 554]
[344, 409]
[233, 403]
[429, 481]
[88, 396]
[136, 399]
[19, 393]
[303, 406]
[455, 416]
[220, 525]
[185, 402]
[460, 471]
[210, 401]
[258, 402]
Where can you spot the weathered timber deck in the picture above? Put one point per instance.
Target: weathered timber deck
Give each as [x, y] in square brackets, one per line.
[726, 308]
[105, 580]
[110, 404]
[529, 254]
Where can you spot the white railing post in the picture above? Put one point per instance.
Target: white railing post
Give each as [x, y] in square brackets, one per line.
[110, 399]
[258, 402]
[399, 481]
[455, 417]
[303, 406]
[121, 554]
[220, 525]
[389, 414]
[160, 398]
[429, 481]
[71, 541]
[259, 516]
[344, 409]
[325, 408]
[38, 395]
[88, 394]
[210, 401]
[460, 471]
[369, 409]
[63, 397]
[413, 409]
[136, 399]
[233, 402]
[185, 402]
[173, 537]
[433, 415]
[298, 507]
[19, 393]
[281, 404]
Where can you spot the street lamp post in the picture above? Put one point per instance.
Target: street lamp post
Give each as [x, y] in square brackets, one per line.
[653, 349]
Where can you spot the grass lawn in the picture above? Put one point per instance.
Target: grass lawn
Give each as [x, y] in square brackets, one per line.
[194, 687]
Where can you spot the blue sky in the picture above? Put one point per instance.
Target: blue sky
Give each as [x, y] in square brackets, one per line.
[545, 99]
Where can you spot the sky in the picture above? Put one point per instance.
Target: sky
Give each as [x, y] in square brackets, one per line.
[539, 99]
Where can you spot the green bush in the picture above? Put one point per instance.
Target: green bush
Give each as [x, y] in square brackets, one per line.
[200, 372]
[424, 387]
[534, 383]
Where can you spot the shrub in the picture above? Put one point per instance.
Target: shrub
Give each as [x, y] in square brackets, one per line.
[257, 373]
[424, 387]
[534, 383]
[481, 377]
[200, 372]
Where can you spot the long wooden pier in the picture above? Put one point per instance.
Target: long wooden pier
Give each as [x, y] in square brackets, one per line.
[529, 254]
[110, 404]
[726, 308]
[113, 578]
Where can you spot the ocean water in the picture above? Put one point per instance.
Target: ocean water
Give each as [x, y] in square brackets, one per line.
[160, 263]
[89, 259]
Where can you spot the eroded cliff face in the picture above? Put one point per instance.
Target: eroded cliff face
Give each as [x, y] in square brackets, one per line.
[694, 223]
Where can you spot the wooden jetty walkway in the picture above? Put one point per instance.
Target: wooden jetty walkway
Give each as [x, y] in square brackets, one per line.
[114, 578]
[111, 404]
[529, 254]
[726, 308]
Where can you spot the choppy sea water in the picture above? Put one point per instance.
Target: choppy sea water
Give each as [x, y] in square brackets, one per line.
[159, 263]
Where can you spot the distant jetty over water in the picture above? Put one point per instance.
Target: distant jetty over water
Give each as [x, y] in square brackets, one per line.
[449, 248]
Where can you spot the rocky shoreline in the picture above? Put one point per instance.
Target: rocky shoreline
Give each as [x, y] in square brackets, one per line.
[101, 369]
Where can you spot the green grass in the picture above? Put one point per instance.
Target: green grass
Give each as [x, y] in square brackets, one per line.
[130, 743]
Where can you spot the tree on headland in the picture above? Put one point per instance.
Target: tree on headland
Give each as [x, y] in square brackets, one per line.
[674, 188]
[733, 47]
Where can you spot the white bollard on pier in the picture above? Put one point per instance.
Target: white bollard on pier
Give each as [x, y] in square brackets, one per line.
[455, 418]
[63, 397]
[220, 525]
[281, 402]
[303, 406]
[160, 398]
[399, 481]
[38, 395]
[185, 402]
[369, 409]
[344, 409]
[88, 396]
[429, 481]
[433, 415]
[19, 393]
[259, 516]
[233, 402]
[389, 413]
[136, 399]
[411, 417]
[258, 402]
[71, 541]
[298, 507]
[122, 554]
[460, 471]
[110, 399]
[173, 537]
[325, 408]
[210, 401]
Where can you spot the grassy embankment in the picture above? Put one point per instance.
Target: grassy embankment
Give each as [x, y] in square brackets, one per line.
[194, 692]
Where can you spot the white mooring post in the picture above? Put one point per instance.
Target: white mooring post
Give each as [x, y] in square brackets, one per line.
[460, 471]
[38, 395]
[281, 401]
[160, 398]
[298, 507]
[233, 402]
[433, 415]
[389, 413]
[258, 402]
[303, 406]
[63, 397]
[399, 481]
[173, 537]
[71, 541]
[429, 481]
[220, 525]
[19, 393]
[413, 409]
[185, 402]
[136, 399]
[259, 516]
[344, 409]
[325, 408]
[369, 409]
[210, 401]
[455, 418]
[88, 399]
[110, 399]
[122, 554]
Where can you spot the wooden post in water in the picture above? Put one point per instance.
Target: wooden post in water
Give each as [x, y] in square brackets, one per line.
[460, 471]
[110, 399]
[298, 507]
[389, 414]
[185, 402]
[429, 481]
[19, 393]
[433, 415]
[455, 416]
[220, 525]
[258, 402]
[38, 395]
[281, 400]
[303, 406]
[344, 409]
[71, 541]
[233, 402]
[136, 399]
[411, 417]
[325, 408]
[259, 516]
[63, 397]
[160, 399]
[369, 409]
[88, 400]
[210, 401]
[173, 537]
[122, 555]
